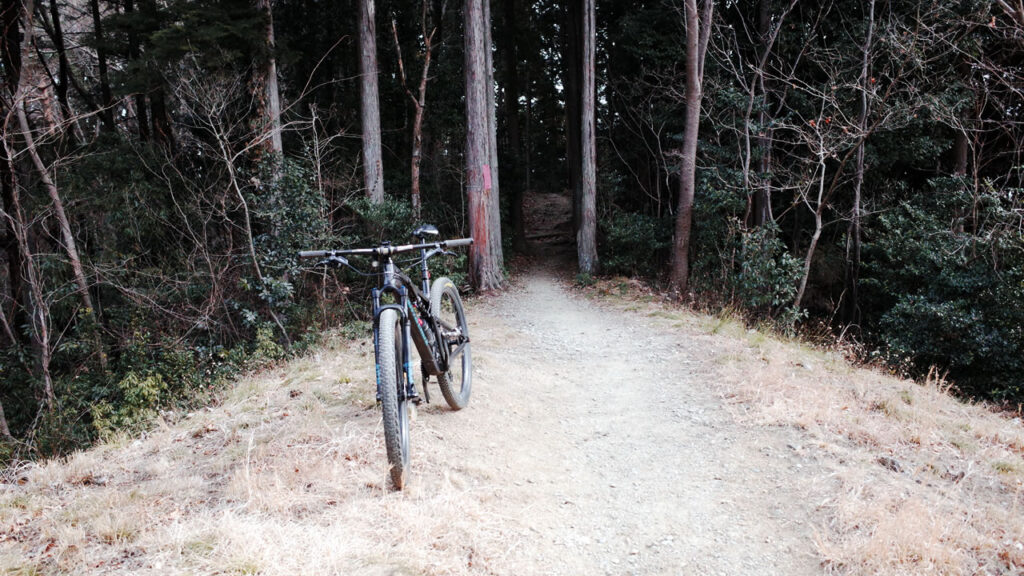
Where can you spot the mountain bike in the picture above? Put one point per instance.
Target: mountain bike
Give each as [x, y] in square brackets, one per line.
[430, 316]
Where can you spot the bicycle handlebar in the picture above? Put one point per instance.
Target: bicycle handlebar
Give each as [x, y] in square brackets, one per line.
[386, 250]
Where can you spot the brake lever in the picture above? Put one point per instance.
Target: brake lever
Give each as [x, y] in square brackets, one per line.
[333, 260]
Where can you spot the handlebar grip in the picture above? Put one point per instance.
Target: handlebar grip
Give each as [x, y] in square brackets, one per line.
[313, 253]
[459, 242]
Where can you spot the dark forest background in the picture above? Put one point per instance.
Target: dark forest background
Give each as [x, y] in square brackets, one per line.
[858, 170]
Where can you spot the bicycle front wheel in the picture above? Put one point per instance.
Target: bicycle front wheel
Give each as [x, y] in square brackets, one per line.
[394, 404]
[446, 307]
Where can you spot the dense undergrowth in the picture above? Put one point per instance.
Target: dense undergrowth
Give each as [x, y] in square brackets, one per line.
[182, 307]
[933, 296]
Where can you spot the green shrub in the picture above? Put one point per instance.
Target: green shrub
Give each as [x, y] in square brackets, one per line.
[953, 298]
[633, 244]
[767, 280]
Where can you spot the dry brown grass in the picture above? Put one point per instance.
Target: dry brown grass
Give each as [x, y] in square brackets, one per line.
[915, 480]
[285, 476]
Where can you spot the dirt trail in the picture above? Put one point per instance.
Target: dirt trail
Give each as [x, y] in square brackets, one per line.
[594, 443]
[607, 450]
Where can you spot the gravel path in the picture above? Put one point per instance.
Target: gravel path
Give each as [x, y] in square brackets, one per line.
[611, 452]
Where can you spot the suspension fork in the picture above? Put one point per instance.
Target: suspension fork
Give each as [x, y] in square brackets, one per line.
[410, 385]
[409, 390]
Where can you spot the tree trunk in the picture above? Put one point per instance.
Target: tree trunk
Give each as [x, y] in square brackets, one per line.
[9, 16]
[68, 238]
[820, 206]
[527, 147]
[11, 250]
[4, 429]
[852, 314]
[586, 238]
[141, 118]
[421, 106]
[809, 259]
[267, 80]
[160, 119]
[419, 102]
[514, 152]
[62, 58]
[961, 144]
[698, 30]
[492, 134]
[573, 57]
[485, 259]
[39, 323]
[763, 194]
[373, 170]
[10, 56]
[106, 97]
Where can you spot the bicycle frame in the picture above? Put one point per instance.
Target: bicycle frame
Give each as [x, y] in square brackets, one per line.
[433, 355]
[393, 281]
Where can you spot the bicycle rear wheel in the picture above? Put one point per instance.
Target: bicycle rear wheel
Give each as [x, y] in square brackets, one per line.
[394, 405]
[446, 306]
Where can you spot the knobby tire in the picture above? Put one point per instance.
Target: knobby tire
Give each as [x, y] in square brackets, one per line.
[394, 406]
[446, 305]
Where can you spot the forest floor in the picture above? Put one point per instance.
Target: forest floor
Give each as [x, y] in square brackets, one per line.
[609, 432]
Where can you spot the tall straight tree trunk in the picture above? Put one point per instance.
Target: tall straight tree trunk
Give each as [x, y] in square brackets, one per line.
[35, 303]
[62, 58]
[492, 131]
[160, 119]
[512, 122]
[141, 117]
[373, 170]
[698, 31]
[10, 56]
[15, 266]
[763, 195]
[961, 144]
[268, 81]
[10, 13]
[852, 275]
[527, 135]
[159, 115]
[107, 98]
[586, 237]
[485, 258]
[573, 57]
